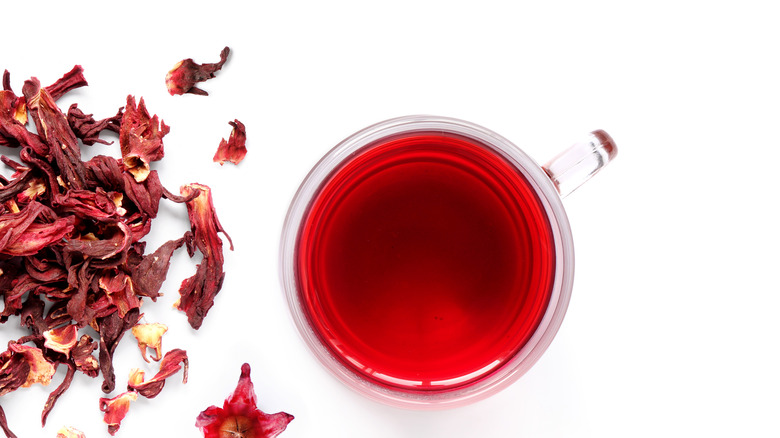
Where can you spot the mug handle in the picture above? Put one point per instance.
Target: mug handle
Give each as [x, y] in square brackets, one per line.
[577, 164]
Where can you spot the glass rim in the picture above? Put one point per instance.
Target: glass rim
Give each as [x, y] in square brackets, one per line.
[528, 354]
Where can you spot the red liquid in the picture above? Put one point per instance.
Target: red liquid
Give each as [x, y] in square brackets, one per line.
[425, 262]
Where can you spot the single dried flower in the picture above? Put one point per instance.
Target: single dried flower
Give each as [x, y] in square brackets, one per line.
[61, 339]
[140, 138]
[116, 408]
[150, 336]
[186, 73]
[234, 148]
[173, 361]
[70, 432]
[198, 292]
[239, 416]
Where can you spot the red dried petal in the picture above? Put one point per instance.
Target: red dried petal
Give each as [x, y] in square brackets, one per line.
[198, 292]
[116, 408]
[30, 230]
[151, 272]
[54, 129]
[57, 393]
[140, 138]
[171, 363]
[82, 357]
[88, 129]
[185, 74]
[61, 339]
[69, 81]
[239, 415]
[41, 370]
[111, 329]
[119, 289]
[234, 149]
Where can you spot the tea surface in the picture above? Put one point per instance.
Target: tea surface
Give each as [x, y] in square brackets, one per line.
[425, 261]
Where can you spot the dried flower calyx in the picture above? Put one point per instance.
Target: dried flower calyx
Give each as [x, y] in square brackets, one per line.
[239, 416]
[186, 73]
[234, 148]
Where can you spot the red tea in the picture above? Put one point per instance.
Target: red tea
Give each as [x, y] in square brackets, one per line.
[425, 261]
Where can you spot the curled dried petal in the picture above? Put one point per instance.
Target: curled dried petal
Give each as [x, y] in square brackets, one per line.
[186, 73]
[82, 356]
[70, 432]
[173, 361]
[150, 336]
[88, 129]
[239, 415]
[69, 81]
[234, 149]
[112, 328]
[32, 229]
[140, 138]
[61, 339]
[57, 393]
[116, 408]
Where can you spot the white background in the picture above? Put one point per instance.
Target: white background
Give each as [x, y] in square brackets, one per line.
[672, 329]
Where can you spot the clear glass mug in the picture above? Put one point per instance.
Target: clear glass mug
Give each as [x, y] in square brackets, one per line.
[335, 275]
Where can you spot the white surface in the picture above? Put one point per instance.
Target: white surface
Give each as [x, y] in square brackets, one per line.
[672, 329]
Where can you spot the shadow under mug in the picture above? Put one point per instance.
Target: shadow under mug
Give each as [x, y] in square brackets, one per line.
[428, 262]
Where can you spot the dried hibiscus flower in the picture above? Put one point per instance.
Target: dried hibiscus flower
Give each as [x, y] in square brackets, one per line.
[239, 416]
[198, 292]
[116, 408]
[173, 361]
[140, 138]
[186, 73]
[234, 148]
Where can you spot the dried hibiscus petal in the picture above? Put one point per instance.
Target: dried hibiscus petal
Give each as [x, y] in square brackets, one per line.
[112, 328]
[140, 138]
[239, 415]
[116, 408]
[61, 339]
[69, 432]
[170, 365]
[150, 336]
[186, 73]
[88, 129]
[41, 370]
[234, 148]
[32, 229]
[55, 395]
[82, 357]
[198, 292]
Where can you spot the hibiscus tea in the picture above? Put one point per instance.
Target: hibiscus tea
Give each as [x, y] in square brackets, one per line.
[425, 261]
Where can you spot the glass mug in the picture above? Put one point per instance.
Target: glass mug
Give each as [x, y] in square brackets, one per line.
[428, 262]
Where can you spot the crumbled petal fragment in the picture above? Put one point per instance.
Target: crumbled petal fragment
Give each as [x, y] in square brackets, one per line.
[140, 138]
[61, 339]
[239, 415]
[150, 336]
[70, 432]
[234, 148]
[198, 292]
[173, 361]
[186, 73]
[116, 408]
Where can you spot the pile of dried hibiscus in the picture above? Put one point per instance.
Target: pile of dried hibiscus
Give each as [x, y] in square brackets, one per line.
[73, 265]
